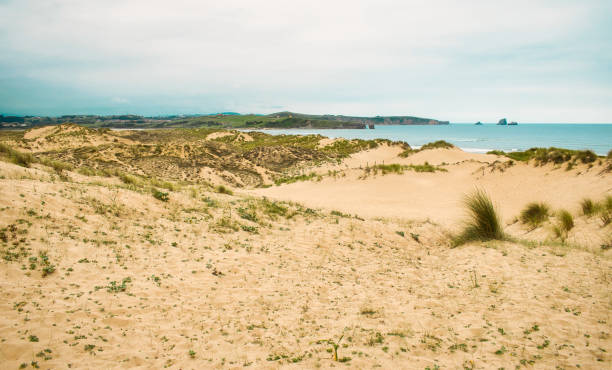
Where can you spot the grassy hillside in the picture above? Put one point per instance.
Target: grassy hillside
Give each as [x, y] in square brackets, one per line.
[277, 120]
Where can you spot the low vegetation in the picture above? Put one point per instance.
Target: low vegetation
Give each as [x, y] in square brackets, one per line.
[550, 155]
[535, 214]
[397, 168]
[565, 222]
[440, 144]
[589, 208]
[15, 156]
[483, 221]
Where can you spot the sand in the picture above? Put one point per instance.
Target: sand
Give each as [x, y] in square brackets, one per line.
[379, 272]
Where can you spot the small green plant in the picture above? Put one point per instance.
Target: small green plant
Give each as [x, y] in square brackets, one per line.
[115, 287]
[501, 351]
[192, 353]
[535, 214]
[160, 195]
[483, 222]
[247, 214]
[33, 338]
[47, 267]
[335, 346]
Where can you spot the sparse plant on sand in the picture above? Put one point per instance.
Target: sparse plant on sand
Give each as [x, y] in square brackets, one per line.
[588, 207]
[335, 346]
[605, 210]
[565, 222]
[535, 214]
[160, 195]
[483, 222]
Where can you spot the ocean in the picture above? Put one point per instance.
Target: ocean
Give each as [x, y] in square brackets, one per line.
[481, 139]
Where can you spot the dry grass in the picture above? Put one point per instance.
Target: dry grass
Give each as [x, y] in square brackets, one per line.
[535, 214]
[483, 221]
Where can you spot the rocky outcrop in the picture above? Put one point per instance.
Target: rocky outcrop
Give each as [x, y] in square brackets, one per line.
[502, 122]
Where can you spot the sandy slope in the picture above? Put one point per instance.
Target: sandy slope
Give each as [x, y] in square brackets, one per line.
[438, 196]
[273, 299]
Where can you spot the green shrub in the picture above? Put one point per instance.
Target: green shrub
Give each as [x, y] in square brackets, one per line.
[17, 157]
[160, 195]
[535, 214]
[483, 222]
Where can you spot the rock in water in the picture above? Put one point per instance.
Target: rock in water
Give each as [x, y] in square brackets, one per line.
[502, 122]
[478, 123]
[513, 123]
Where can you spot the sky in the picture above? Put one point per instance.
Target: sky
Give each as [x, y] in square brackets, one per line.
[462, 61]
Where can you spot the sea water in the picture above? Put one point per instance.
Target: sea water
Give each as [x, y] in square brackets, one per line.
[482, 138]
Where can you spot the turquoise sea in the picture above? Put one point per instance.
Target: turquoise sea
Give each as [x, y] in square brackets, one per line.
[480, 139]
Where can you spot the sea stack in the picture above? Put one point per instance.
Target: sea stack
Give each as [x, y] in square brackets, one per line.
[502, 122]
[478, 123]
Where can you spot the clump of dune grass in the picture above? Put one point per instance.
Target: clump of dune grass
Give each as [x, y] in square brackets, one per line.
[16, 157]
[58, 166]
[565, 222]
[589, 208]
[483, 222]
[535, 214]
[605, 210]
[224, 190]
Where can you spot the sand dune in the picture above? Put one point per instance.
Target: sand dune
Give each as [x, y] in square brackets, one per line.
[438, 196]
[97, 273]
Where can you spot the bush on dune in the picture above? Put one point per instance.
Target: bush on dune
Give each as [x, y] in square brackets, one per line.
[483, 221]
[535, 214]
[565, 222]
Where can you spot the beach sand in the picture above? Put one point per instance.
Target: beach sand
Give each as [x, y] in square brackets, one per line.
[209, 280]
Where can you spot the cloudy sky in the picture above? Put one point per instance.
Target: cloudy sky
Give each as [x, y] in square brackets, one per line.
[463, 61]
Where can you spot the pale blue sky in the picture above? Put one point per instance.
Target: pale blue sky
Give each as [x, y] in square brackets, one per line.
[463, 61]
